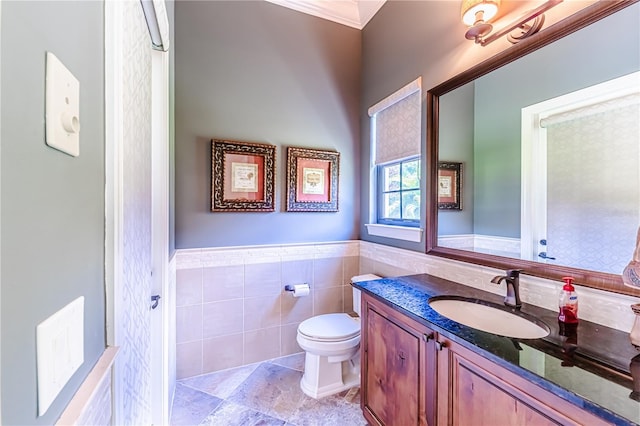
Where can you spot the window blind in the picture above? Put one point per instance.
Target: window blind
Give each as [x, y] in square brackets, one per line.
[397, 124]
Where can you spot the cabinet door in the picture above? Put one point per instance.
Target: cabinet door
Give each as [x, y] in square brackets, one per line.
[482, 402]
[483, 393]
[392, 375]
[394, 368]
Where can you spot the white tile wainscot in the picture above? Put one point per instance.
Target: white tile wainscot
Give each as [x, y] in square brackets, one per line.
[232, 309]
[602, 307]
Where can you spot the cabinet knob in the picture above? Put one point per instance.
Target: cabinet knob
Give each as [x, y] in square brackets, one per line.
[427, 337]
[440, 345]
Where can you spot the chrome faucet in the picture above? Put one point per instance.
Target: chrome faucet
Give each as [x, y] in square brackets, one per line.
[512, 279]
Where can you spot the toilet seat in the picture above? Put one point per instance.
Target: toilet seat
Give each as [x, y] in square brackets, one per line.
[330, 328]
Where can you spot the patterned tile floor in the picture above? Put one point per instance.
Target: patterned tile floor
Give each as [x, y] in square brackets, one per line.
[267, 393]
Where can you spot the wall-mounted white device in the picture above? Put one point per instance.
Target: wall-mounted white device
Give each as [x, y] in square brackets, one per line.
[59, 351]
[62, 107]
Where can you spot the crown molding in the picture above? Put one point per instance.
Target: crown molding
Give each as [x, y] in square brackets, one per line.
[353, 13]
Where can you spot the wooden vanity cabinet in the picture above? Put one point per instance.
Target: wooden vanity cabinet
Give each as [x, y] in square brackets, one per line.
[475, 391]
[413, 376]
[398, 367]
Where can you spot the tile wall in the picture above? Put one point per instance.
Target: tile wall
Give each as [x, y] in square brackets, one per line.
[232, 309]
[605, 308]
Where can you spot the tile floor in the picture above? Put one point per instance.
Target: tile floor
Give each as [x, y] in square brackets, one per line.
[266, 393]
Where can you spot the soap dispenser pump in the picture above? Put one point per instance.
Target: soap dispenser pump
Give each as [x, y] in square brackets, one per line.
[568, 303]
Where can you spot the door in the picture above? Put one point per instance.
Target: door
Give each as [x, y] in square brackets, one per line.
[593, 228]
[473, 390]
[479, 399]
[136, 239]
[392, 380]
[568, 142]
[398, 368]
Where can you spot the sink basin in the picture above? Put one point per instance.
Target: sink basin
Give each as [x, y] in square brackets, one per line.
[489, 317]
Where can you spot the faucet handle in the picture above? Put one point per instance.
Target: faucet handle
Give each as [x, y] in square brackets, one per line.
[513, 273]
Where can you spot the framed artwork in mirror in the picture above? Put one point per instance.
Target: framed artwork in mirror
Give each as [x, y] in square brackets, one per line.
[449, 185]
[242, 176]
[312, 180]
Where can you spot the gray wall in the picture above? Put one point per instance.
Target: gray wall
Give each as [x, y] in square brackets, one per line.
[257, 72]
[563, 67]
[52, 204]
[456, 129]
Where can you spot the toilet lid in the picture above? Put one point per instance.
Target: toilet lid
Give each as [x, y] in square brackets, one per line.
[330, 327]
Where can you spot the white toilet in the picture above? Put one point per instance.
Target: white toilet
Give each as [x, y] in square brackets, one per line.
[332, 346]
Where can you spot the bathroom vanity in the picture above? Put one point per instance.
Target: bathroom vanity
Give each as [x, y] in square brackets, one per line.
[420, 368]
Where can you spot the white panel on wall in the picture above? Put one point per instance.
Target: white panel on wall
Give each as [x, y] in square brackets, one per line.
[60, 351]
[62, 107]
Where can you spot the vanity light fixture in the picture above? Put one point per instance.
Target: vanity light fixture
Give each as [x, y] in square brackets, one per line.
[477, 13]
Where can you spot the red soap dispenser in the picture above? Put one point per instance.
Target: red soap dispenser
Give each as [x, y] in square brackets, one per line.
[568, 303]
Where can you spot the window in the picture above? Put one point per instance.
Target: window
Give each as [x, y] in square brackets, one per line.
[396, 123]
[399, 193]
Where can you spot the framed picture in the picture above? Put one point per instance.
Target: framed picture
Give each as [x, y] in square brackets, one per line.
[242, 176]
[449, 185]
[312, 180]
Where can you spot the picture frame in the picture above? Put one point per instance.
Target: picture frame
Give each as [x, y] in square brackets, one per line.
[312, 180]
[242, 176]
[449, 185]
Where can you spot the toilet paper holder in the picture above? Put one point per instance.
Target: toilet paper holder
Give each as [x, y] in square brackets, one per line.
[290, 287]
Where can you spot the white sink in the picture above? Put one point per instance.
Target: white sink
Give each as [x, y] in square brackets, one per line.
[489, 317]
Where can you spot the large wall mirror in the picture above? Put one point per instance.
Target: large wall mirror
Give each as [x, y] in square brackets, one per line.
[548, 136]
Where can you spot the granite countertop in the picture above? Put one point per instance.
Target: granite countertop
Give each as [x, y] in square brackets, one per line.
[589, 369]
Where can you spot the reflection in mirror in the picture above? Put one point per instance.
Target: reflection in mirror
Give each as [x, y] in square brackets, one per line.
[580, 178]
[550, 151]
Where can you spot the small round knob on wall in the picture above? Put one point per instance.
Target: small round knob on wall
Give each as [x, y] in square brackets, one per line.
[70, 122]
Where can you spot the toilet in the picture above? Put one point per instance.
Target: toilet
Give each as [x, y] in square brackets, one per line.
[332, 346]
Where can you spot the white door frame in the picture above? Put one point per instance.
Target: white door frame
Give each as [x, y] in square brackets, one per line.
[114, 113]
[0, 197]
[113, 183]
[160, 397]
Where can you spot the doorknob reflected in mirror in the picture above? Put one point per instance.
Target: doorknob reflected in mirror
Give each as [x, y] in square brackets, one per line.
[544, 255]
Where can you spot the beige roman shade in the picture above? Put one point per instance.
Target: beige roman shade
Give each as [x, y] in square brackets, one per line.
[396, 124]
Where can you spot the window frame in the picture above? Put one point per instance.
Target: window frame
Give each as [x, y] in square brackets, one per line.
[402, 150]
[380, 193]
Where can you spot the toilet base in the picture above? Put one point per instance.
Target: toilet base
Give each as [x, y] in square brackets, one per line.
[323, 378]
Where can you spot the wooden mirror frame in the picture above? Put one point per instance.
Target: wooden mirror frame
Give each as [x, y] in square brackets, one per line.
[594, 279]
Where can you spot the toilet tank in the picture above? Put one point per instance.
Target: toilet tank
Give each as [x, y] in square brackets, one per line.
[356, 292]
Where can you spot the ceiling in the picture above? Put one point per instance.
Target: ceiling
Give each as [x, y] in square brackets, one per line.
[353, 13]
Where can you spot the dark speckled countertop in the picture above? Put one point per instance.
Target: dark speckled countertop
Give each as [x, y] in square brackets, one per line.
[590, 371]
